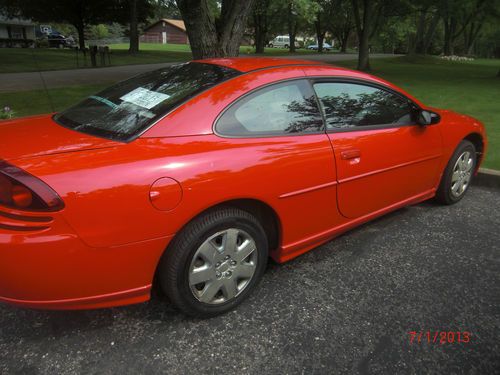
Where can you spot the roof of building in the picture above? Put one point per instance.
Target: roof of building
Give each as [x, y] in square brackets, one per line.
[176, 23]
[15, 21]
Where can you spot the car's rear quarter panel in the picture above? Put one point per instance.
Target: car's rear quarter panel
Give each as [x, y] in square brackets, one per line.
[107, 191]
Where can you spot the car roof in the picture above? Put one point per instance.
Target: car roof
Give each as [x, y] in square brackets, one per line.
[311, 68]
[248, 64]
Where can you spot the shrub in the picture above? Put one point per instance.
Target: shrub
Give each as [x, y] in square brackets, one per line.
[6, 113]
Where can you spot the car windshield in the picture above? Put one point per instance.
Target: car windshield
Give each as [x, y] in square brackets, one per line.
[124, 110]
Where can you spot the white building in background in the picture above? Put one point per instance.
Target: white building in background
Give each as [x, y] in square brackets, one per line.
[16, 32]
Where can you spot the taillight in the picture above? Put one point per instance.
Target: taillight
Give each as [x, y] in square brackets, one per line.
[20, 190]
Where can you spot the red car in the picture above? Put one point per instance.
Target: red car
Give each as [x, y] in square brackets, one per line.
[195, 174]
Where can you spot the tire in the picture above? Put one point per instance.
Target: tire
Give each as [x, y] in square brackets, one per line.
[271, 45]
[458, 174]
[286, 46]
[202, 274]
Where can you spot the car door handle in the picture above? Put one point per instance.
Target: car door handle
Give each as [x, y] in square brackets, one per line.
[350, 154]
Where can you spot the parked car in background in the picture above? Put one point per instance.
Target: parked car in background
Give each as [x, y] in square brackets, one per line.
[60, 41]
[314, 47]
[282, 41]
[193, 175]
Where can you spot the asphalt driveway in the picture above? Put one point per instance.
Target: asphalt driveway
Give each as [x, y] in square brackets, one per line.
[346, 307]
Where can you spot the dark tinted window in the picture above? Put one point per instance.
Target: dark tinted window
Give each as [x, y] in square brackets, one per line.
[349, 105]
[285, 108]
[125, 109]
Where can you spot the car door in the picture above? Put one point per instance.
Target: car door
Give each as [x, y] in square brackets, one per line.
[287, 159]
[383, 156]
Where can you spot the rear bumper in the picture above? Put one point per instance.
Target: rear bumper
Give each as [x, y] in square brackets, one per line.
[53, 269]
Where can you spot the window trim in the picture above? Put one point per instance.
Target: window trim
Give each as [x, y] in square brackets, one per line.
[364, 82]
[269, 135]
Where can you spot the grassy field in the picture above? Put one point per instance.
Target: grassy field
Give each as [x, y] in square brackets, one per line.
[185, 48]
[15, 60]
[468, 87]
[471, 88]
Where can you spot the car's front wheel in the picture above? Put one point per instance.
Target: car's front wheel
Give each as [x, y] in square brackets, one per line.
[215, 262]
[458, 174]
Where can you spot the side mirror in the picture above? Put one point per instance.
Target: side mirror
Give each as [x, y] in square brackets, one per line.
[425, 117]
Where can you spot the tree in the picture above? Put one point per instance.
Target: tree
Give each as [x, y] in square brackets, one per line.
[367, 15]
[341, 23]
[428, 17]
[133, 12]
[322, 23]
[99, 31]
[457, 15]
[267, 20]
[165, 9]
[260, 18]
[215, 35]
[299, 15]
[134, 31]
[79, 13]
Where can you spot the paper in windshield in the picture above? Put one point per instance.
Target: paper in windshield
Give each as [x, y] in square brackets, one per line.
[144, 98]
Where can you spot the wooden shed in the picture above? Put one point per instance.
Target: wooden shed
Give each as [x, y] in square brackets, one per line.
[166, 31]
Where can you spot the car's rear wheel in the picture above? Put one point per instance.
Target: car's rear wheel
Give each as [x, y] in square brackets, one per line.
[458, 174]
[215, 262]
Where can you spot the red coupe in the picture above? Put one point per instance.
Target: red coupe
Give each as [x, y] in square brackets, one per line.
[193, 175]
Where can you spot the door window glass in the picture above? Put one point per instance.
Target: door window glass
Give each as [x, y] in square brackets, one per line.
[349, 105]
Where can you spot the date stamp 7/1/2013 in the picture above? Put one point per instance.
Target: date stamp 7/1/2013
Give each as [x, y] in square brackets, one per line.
[439, 337]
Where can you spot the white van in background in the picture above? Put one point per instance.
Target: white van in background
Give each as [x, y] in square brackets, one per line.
[282, 41]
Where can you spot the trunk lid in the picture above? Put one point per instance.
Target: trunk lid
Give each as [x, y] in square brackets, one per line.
[40, 135]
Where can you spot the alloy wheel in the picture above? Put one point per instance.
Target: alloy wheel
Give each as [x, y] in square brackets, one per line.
[462, 172]
[223, 266]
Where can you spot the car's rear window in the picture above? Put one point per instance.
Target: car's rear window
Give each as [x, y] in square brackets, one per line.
[123, 111]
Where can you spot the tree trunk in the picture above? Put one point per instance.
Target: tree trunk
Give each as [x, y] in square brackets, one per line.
[418, 46]
[343, 39]
[320, 35]
[472, 35]
[364, 53]
[321, 39]
[364, 27]
[498, 74]
[219, 37]
[260, 33]
[292, 28]
[429, 35]
[134, 32]
[450, 27]
[80, 28]
[343, 45]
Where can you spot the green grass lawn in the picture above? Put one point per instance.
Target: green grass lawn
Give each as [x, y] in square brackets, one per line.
[471, 88]
[26, 103]
[15, 60]
[467, 87]
[244, 50]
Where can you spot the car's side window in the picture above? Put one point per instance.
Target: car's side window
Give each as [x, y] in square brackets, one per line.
[281, 109]
[352, 105]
